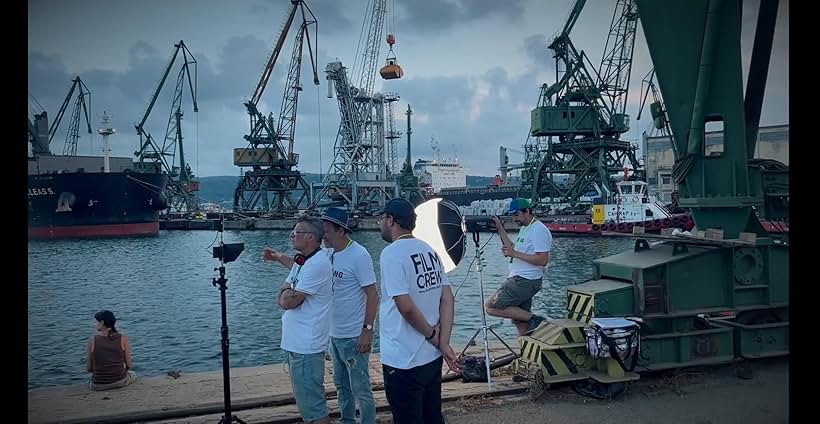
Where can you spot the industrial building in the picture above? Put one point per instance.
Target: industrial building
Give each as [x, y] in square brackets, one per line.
[772, 143]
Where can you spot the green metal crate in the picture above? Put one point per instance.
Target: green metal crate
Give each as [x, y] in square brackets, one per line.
[675, 279]
[674, 350]
[600, 298]
[758, 340]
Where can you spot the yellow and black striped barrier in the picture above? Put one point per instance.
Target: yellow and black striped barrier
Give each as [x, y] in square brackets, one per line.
[558, 349]
[580, 307]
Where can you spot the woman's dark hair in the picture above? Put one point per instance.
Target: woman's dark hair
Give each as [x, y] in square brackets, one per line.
[108, 319]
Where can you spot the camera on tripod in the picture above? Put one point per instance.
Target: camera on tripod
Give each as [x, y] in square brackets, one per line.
[480, 224]
[228, 252]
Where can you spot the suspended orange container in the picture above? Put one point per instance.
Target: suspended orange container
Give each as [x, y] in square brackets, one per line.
[391, 70]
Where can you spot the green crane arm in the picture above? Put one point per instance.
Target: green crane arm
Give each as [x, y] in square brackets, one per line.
[139, 126]
[695, 47]
[263, 81]
[59, 117]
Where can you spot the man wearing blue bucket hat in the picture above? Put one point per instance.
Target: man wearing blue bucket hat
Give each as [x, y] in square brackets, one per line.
[355, 302]
[529, 256]
[353, 312]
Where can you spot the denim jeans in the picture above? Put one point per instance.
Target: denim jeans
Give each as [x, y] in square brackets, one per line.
[351, 373]
[307, 376]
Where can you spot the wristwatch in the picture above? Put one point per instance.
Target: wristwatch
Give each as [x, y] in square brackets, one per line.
[368, 327]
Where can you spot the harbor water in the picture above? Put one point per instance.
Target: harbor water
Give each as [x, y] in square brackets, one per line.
[161, 290]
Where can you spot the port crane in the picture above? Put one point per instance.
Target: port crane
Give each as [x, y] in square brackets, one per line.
[270, 184]
[719, 293]
[578, 121]
[73, 132]
[359, 178]
[155, 157]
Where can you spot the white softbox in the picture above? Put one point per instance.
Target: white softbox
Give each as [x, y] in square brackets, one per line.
[441, 225]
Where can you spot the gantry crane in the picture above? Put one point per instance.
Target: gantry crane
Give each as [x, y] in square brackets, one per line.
[153, 157]
[582, 115]
[269, 186]
[721, 293]
[358, 176]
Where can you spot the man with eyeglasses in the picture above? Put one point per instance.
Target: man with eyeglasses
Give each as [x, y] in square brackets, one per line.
[306, 298]
[415, 319]
[529, 256]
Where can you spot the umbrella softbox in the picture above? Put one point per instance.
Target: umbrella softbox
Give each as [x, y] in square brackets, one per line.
[441, 225]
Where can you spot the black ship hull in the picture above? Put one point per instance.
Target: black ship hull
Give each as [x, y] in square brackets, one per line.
[83, 204]
[464, 196]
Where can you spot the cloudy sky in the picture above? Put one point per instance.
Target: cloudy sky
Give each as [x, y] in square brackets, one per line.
[472, 69]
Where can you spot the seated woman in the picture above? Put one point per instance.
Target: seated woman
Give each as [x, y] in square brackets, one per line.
[109, 355]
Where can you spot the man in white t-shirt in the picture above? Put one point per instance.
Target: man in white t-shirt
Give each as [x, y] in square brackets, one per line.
[306, 298]
[415, 319]
[529, 256]
[355, 302]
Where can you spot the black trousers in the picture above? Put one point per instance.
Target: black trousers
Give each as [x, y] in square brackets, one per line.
[414, 395]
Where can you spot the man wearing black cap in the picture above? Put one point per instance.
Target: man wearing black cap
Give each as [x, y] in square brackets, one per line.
[415, 319]
[529, 256]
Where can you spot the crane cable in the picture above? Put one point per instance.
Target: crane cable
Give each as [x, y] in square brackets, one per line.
[197, 145]
[392, 21]
[359, 43]
[319, 116]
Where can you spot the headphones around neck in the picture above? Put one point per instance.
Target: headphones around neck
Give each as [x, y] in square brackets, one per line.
[300, 259]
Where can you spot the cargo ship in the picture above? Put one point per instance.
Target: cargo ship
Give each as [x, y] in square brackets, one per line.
[89, 196]
[446, 179]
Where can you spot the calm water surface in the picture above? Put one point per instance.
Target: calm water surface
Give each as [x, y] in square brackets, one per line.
[160, 289]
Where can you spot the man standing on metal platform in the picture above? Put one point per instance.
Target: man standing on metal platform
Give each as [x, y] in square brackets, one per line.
[529, 256]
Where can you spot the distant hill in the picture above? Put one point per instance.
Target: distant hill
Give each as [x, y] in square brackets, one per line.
[220, 189]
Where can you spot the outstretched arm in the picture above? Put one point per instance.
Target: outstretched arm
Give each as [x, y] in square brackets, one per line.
[269, 254]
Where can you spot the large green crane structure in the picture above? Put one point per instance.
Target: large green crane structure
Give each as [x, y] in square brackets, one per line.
[155, 157]
[722, 292]
[583, 114]
[273, 185]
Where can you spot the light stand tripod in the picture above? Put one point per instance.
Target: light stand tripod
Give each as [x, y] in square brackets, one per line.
[484, 327]
[226, 253]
